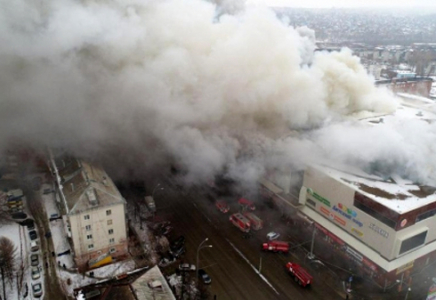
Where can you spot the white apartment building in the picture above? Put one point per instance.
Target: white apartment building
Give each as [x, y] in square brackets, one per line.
[93, 210]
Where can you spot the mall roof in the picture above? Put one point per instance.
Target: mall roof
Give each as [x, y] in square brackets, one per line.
[398, 194]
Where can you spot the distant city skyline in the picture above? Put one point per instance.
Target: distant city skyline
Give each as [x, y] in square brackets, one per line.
[346, 3]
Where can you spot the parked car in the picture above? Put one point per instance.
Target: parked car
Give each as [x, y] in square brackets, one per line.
[150, 203]
[30, 224]
[35, 273]
[161, 225]
[34, 260]
[166, 261]
[33, 235]
[34, 246]
[177, 252]
[180, 241]
[273, 235]
[204, 276]
[54, 217]
[37, 290]
[164, 230]
[187, 267]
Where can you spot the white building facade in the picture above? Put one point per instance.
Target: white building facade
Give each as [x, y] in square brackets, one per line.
[93, 210]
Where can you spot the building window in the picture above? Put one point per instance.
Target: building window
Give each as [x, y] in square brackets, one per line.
[108, 212]
[413, 242]
[311, 202]
[91, 246]
[111, 241]
[89, 236]
[370, 207]
[111, 231]
[88, 227]
[112, 250]
[86, 217]
[109, 222]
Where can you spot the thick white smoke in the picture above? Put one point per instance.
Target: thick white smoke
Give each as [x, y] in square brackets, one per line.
[140, 81]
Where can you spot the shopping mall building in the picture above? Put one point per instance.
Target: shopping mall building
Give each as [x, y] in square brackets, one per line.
[386, 226]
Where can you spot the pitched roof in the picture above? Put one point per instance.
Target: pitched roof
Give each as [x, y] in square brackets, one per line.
[86, 186]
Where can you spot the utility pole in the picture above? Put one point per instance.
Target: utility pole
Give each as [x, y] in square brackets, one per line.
[311, 255]
[260, 264]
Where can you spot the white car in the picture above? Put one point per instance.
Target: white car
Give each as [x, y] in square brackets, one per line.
[273, 235]
[35, 273]
[186, 267]
[37, 290]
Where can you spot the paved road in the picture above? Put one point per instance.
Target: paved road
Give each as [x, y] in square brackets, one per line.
[233, 260]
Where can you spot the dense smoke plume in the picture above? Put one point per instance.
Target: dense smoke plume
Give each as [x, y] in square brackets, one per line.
[142, 82]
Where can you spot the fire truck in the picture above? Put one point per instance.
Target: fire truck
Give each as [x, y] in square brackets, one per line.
[246, 204]
[276, 246]
[300, 275]
[241, 222]
[255, 221]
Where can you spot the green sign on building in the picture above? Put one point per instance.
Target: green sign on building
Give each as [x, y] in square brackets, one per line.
[318, 197]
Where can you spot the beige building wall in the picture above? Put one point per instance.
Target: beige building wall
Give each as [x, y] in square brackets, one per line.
[98, 231]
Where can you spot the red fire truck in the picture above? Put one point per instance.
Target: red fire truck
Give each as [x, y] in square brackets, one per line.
[246, 204]
[276, 246]
[255, 221]
[240, 221]
[300, 275]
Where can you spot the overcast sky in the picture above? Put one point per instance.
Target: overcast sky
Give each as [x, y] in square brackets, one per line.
[347, 3]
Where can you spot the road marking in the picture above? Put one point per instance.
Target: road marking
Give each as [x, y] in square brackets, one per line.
[253, 267]
[202, 213]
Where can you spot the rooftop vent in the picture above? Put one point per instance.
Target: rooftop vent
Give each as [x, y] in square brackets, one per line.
[92, 197]
[155, 284]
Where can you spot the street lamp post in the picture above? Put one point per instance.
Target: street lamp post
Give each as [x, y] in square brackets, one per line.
[407, 293]
[311, 255]
[201, 246]
[154, 190]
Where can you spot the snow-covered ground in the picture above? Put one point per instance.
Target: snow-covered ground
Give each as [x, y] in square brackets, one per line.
[19, 236]
[57, 228]
[102, 274]
[59, 236]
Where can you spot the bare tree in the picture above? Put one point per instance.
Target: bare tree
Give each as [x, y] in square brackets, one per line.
[5, 215]
[7, 261]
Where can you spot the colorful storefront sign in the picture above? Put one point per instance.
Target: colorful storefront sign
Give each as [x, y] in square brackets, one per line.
[356, 232]
[347, 213]
[332, 216]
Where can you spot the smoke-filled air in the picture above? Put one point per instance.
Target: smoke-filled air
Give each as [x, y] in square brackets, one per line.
[213, 87]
